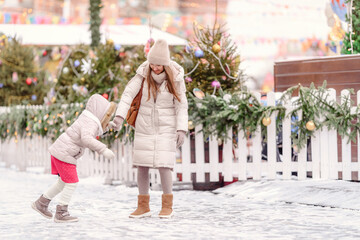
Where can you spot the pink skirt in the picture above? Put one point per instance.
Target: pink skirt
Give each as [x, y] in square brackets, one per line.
[66, 171]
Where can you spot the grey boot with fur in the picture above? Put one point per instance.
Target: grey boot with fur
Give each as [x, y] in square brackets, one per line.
[62, 215]
[41, 206]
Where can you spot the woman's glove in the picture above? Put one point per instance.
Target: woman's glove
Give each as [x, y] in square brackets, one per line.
[116, 124]
[107, 153]
[180, 136]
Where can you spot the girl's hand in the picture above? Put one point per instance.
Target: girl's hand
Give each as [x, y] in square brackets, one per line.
[107, 153]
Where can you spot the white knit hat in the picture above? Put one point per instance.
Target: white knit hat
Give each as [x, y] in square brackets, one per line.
[159, 53]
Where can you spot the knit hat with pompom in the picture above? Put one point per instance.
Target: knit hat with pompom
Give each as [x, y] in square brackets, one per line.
[159, 53]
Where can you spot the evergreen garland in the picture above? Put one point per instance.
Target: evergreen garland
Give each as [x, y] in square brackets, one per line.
[217, 114]
[312, 105]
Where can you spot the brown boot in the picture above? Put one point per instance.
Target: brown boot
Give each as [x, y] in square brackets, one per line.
[143, 209]
[41, 206]
[62, 215]
[167, 203]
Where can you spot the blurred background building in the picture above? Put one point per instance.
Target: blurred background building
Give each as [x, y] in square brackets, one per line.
[264, 30]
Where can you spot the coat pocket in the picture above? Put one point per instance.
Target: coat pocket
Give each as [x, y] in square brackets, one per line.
[73, 149]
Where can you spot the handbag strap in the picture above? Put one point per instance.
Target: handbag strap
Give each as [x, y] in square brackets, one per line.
[142, 84]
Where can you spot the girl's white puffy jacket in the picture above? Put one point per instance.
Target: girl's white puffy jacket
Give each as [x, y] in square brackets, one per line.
[157, 121]
[70, 145]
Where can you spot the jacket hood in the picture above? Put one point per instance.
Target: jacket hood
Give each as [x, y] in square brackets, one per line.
[101, 108]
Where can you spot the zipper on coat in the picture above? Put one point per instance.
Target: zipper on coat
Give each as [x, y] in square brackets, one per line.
[155, 128]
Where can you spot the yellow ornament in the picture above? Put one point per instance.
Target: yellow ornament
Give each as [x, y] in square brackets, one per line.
[266, 121]
[53, 99]
[109, 41]
[191, 125]
[237, 60]
[55, 80]
[68, 121]
[310, 125]
[45, 129]
[216, 48]
[82, 79]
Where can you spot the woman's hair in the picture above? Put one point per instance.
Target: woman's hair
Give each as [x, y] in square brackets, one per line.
[170, 83]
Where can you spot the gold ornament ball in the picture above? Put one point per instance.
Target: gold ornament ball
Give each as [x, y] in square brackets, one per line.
[310, 125]
[191, 125]
[266, 121]
[216, 48]
[109, 41]
[220, 141]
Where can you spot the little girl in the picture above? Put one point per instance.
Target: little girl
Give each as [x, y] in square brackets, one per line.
[68, 148]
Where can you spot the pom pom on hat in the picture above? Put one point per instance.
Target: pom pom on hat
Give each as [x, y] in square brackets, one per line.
[159, 53]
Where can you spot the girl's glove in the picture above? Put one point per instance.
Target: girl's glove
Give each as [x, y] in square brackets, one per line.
[117, 123]
[107, 153]
[180, 136]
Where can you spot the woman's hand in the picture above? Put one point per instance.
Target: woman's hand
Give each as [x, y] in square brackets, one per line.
[117, 123]
[180, 136]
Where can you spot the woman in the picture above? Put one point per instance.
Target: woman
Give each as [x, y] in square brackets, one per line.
[160, 126]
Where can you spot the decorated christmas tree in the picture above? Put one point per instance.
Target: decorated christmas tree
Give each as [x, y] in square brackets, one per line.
[352, 38]
[69, 74]
[21, 79]
[104, 70]
[211, 60]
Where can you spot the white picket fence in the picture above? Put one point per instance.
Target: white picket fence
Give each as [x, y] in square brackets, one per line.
[323, 162]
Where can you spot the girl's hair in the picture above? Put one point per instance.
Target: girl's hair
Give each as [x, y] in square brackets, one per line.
[170, 83]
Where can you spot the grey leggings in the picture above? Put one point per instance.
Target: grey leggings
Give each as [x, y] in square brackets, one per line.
[144, 180]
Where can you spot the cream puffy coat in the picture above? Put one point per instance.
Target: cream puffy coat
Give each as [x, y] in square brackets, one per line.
[70, 145]
[157, 121]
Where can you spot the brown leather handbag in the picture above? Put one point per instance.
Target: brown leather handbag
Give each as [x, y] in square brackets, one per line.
[134, 107]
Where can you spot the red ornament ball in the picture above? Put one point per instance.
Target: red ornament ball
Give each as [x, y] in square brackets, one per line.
[97, 137]
[44, 53]
[28, 81]
[105, 95]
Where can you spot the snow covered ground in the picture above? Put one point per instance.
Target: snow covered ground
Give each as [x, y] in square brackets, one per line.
[251, 210]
